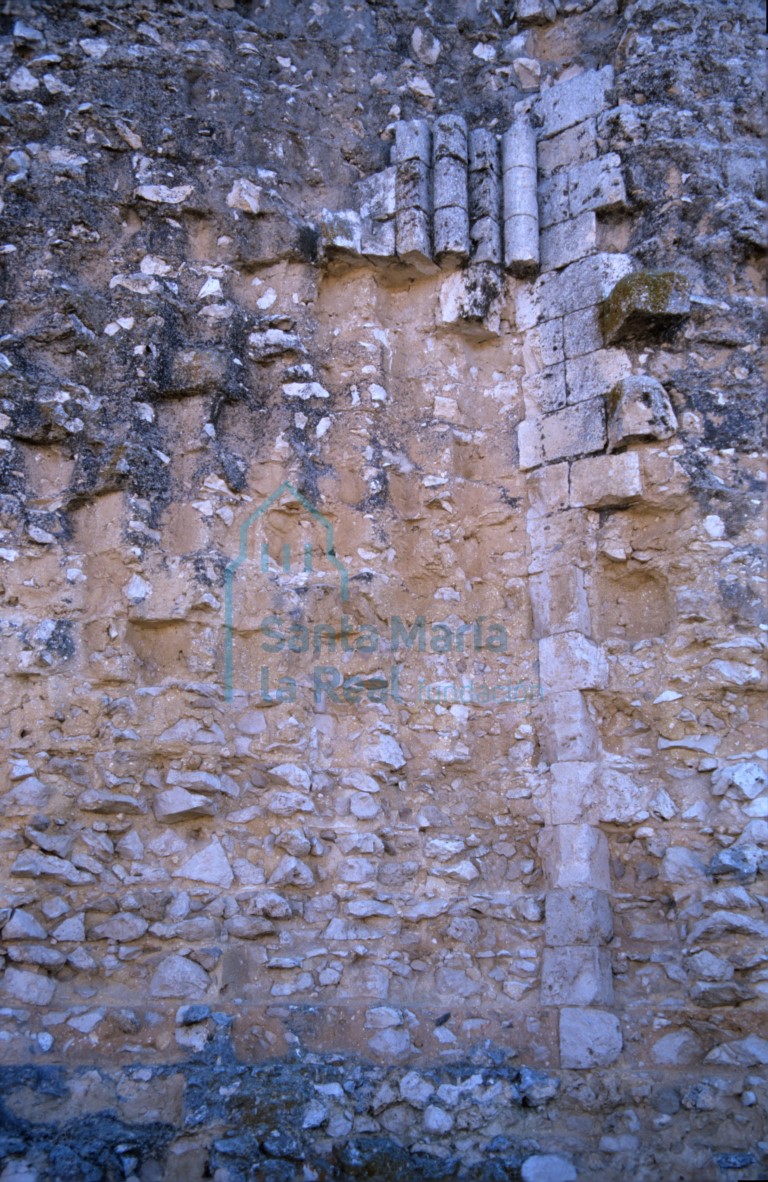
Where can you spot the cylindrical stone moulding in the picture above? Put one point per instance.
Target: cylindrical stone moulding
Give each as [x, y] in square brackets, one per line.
[413, 198]
[449, 138]
[520, 198]
[484, 197]
[449, 188]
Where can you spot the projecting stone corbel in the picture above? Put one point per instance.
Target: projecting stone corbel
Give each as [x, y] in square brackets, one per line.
[644, 304]
[639, 410]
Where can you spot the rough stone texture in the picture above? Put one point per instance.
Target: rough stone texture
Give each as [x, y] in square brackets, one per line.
[384, 645]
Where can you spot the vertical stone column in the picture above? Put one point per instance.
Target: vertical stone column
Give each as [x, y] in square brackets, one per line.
[413, 157]
[521, 208]
[485, 197]
[576, 968]
[449, 162]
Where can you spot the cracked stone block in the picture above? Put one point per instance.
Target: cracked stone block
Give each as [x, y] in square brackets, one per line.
[449, 182]
[597, 184]
[414, 240]
[575, 430]
[576, 976]
[545, 391]
[571, 661]
[573, 146]
[603, 482]
[575, 100]
[449, 138]
[412, 186]
[592, 374]
[639, 409]
[340, 232]
[451, 233]
[470, 298]
[589, 1038]
[548, 490]
[576, 856]
[580, 916]
[568, 732]
[567, 241]
[412, 140]
[645, 303]
[559, 601]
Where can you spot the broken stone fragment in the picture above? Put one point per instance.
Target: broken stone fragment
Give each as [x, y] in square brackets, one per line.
[96, 800]
[123, 927]
[177, 804]
[31, 988]
[589, 1038]
[209, 865]
[639, 409]
[178, 977]
[163, 194]
[246, 196]
[644, 303]
[340, 233]
[265, 344]
[249, 927]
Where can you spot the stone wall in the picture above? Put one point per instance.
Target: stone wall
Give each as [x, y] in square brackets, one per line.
[383, 616]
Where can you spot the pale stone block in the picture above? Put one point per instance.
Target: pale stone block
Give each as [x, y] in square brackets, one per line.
[571, 791]
[548, 1167]
[521, 244]
[449, 138]
[579, 285]
[518, 146]
[580, 916]
[603, 482]
[576, 976]
[485, 237]
[573, 146]
[530, 444]
[483, 151]
[545, 391]
[568, 731]
[519, 191]
[577, 856]
[376, 195]
[412, 187]
[377, 239]
[581, 332]
[543, 346]
[449, 178]
[413, 239]
[594, 374]
[412, 140]
[567, 241]
[589, 1038]
[570, 660]
[575, 430]
[559, 601]
[575, 100]
[594, 793]
[548, 489]
[554, 206]
[451, 233]
[340, 232]
[597, 184]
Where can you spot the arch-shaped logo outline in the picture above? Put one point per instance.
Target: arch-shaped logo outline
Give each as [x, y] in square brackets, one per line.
[232, 567]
